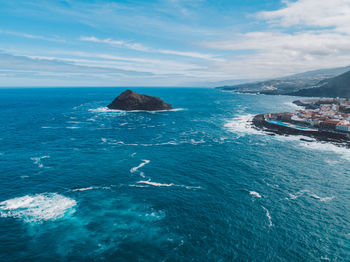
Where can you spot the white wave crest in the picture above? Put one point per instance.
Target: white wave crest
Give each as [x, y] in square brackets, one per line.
[107, 110]
[294, 106]
[242, 125]
[73, 122]
[322, 199]
[91, 119]
[138, 185]
[328, 147]
[331, 162]
[149, 182]
[256, 194]
[85, 188]
[144, 162]
[268, 216]
[307, 192]
[103, 110]
[114, 142]
[91, 188]
[37, 160]
[37, 208]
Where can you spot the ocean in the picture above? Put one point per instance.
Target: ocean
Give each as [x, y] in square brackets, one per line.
[79, 182]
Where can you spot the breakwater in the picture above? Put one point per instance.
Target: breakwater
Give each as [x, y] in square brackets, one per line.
[320, 135]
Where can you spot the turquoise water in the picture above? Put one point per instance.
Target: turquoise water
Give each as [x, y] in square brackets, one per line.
[79, 182]
[277, 123]
[300, 127]
[288, 125]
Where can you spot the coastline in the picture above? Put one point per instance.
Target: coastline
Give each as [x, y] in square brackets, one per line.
[260, 123]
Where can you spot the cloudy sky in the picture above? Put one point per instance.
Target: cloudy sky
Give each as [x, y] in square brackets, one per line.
[168, 43]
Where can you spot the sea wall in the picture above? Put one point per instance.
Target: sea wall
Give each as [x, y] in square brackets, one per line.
[260, 123]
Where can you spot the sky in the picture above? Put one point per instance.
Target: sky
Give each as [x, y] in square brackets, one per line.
[169, 42]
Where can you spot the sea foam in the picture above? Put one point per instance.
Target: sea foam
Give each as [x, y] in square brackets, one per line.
[144, 162]
[328, 147]
[149, 182]
[310, 194]
[107, 110]
[242, 125]
[256, 194]
[91, 188]
[268, 216]
[37, 208]
[37, 160]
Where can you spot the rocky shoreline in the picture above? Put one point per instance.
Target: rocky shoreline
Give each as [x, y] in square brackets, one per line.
[259, 123]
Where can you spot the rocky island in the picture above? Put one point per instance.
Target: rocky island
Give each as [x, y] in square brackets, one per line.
[131, 101]
[321, 119]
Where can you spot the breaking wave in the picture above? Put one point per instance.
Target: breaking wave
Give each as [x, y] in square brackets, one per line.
[307, 192]
[37, 160]
[293, 106]
[144, 162]
[90, 188]
[329, 147]
[256, 194]
[322, 199]
[149, 182]
[268, 216]
[107, 110]
[242, 125]
[37, 208]
[170, 143]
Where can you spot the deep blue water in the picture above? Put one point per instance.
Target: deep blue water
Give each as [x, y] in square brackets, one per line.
[78, 182]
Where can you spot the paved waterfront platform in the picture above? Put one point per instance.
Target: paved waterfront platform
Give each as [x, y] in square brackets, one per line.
[275, 122]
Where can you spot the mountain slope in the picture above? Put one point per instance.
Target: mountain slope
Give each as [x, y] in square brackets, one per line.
[338, 86]
[289, 84]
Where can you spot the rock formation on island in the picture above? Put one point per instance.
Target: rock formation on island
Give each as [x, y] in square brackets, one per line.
[130, 100]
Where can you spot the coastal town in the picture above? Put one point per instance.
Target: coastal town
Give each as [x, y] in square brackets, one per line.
[323, 119]
[332, 115]
[323, 115]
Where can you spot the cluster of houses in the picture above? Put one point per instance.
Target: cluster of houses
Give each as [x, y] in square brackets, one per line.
[330, 115]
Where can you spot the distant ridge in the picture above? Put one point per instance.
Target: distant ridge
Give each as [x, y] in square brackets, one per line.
[289, 84]
[338, 86]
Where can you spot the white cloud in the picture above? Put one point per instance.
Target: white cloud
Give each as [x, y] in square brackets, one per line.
[40, 64]
[31, 36]
[314, 43]
[302, 35]
[312, 13]
[305, 35]
[142, 48]
[134, 46]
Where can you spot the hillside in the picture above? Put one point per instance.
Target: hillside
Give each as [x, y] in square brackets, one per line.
[290, 84]
[338, 86]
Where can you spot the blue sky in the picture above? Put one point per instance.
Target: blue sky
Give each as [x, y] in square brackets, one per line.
[168, 43]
